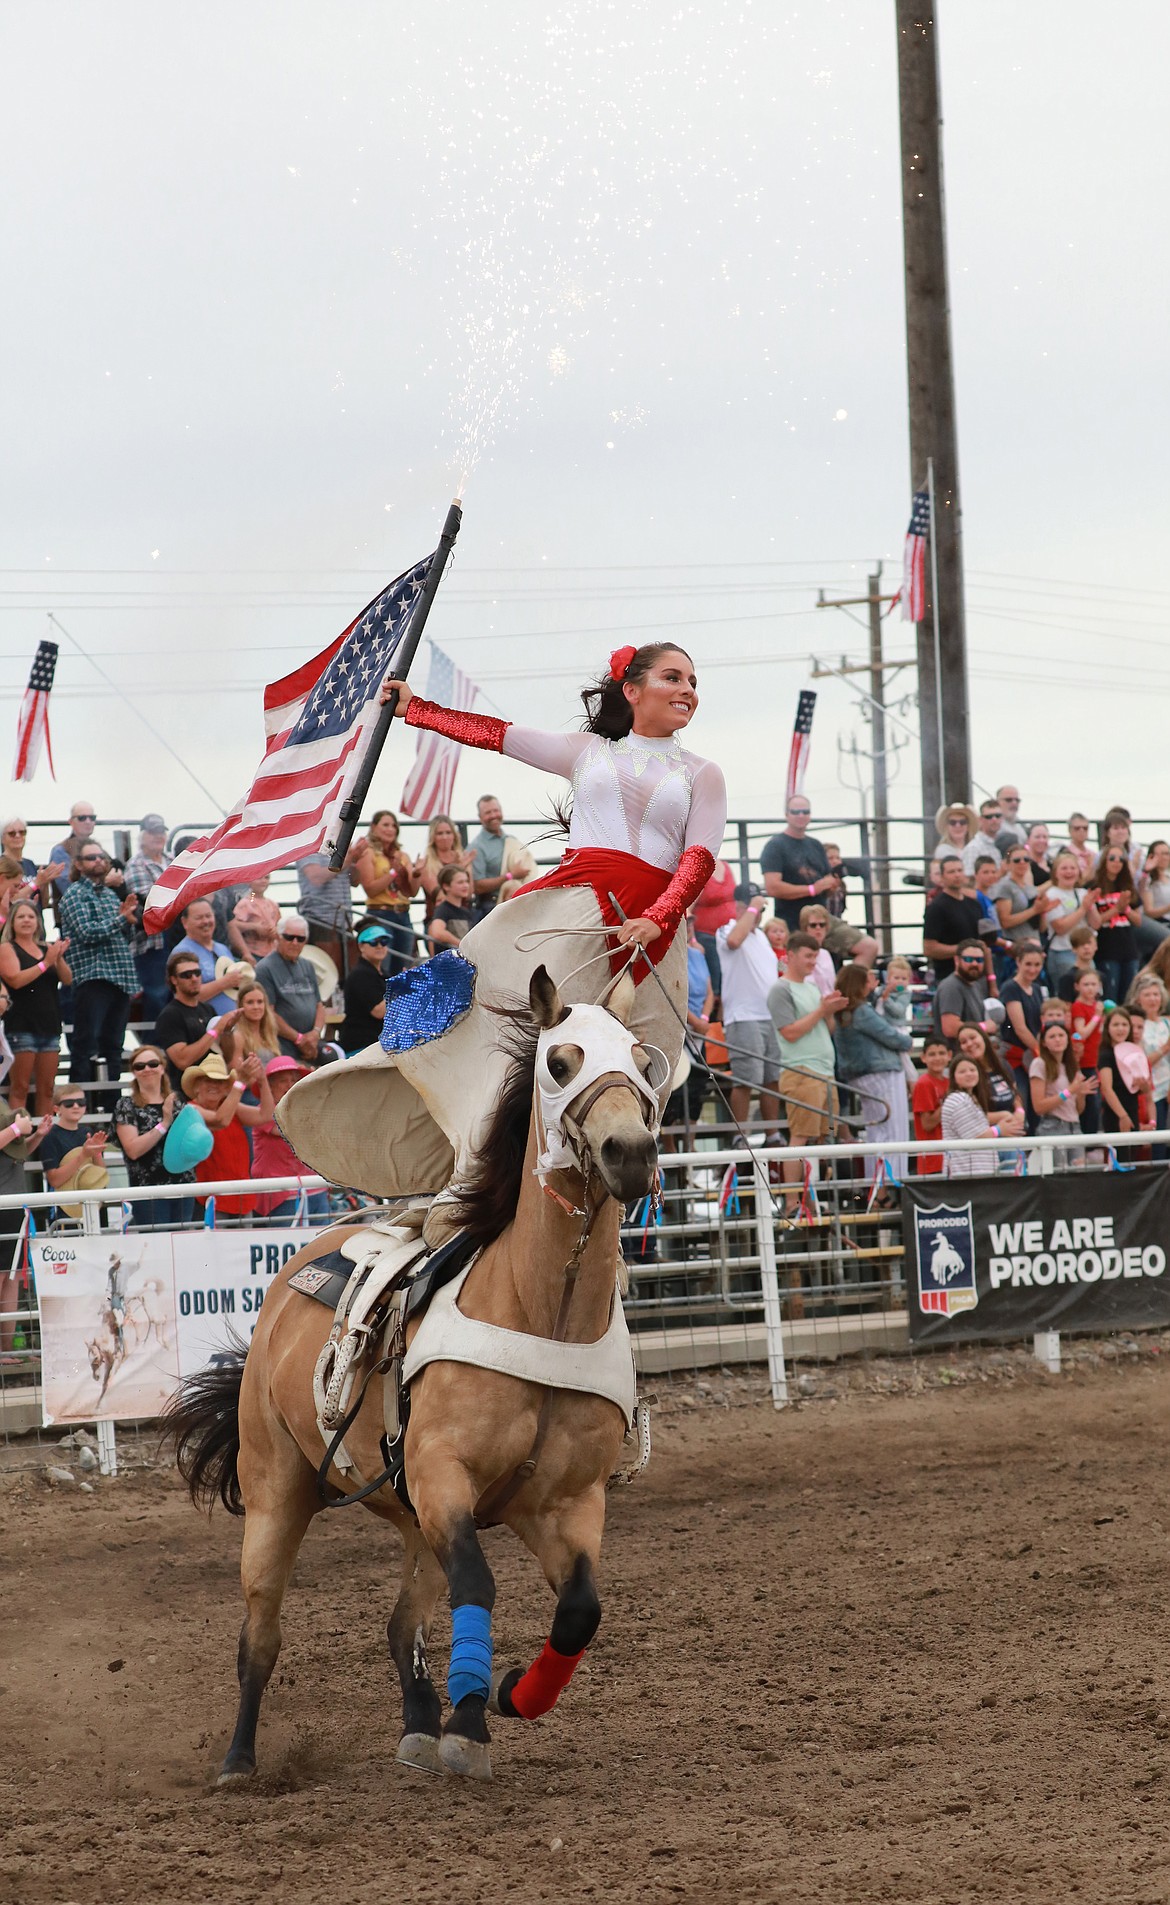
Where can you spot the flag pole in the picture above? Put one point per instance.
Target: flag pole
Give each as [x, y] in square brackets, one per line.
[351, 808]
[938, 685]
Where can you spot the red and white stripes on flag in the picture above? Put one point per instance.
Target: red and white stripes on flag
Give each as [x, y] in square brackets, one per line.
[801, 742]
[430, 785]
[913, 589]
[32, 729]
[318, 721]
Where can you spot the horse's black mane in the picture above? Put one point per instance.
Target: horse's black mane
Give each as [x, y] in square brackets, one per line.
[487, 1201]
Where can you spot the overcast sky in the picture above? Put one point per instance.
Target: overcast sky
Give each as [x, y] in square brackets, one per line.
[280, 276]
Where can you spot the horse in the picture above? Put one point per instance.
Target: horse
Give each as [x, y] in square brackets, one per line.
[481, 1448]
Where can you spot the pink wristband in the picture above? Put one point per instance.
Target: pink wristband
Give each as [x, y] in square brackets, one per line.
[812, 892]
[40, 965]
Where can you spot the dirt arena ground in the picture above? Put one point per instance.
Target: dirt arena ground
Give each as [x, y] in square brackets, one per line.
[905, 1641]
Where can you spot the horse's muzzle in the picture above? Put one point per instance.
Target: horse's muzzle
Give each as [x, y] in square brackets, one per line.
[626, 1162]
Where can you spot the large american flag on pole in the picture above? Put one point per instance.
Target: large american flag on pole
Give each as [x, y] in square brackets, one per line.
[317, 721]
[914, 559]
[801, 742]
[430, 785]
[32, 729]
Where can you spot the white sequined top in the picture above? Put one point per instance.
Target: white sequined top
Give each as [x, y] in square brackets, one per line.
[647, 797]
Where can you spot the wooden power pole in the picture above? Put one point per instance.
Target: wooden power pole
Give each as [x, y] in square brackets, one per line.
[942, 689]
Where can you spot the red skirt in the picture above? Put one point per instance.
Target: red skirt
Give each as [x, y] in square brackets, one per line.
[633, 882]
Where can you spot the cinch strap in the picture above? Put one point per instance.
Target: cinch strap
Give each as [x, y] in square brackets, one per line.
[470, 1670]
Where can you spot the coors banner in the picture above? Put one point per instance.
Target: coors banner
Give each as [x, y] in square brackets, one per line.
[1008, 1256]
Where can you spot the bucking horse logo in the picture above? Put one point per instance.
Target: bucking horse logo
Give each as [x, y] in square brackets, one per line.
[945, 1247]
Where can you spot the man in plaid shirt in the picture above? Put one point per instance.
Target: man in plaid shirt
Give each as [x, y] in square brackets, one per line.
[98, 925]
[149, 949]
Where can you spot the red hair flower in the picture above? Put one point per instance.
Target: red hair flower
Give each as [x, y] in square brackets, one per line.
[619, 661]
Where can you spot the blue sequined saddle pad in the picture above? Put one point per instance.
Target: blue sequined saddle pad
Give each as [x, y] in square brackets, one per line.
[425, 1001]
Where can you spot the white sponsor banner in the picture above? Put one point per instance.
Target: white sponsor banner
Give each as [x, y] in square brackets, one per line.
[125, 1316]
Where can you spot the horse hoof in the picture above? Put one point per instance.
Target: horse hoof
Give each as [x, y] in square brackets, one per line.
[236, 1775]
[504, 1679]
[421, 1751]
[471, 1759]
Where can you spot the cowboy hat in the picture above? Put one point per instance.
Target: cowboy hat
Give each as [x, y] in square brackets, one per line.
[84, 1175]
[210, 1067]
[955, 807]
[245, 974]
[187, 1142]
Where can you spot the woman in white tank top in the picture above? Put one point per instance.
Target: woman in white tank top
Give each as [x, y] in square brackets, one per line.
[647, 824]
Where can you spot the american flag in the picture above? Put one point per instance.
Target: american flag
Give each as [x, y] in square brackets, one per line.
[801, 742]
[914, 559]
[430, 785]
[33, 726]
[316, 720]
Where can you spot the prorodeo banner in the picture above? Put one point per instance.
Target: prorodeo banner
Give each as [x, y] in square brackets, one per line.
[1081, 1250]
[125, 1315]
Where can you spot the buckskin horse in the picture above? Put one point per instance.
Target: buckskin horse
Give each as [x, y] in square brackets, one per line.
[481, 1448]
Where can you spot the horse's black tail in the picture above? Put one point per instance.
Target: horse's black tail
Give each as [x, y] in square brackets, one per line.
[203, 1424]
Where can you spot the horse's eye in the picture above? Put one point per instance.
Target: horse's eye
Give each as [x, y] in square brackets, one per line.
[559, 1069]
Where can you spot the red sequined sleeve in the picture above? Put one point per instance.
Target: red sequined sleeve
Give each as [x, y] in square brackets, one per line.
[694, 870]
[473, 730]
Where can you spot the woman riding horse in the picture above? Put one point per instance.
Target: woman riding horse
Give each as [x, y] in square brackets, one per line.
[647, 822]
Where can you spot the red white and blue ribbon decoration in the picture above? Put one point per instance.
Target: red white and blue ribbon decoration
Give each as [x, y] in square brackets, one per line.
[32, 729]
[801, 741]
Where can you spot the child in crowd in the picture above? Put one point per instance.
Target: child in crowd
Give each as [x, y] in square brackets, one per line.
[1152, 1000]
[966, 1113]
[1002, 1094]
[1083, 941]
[1059, 1089]
[926, 1099]
[815, 920]
[1056, 1012]
[894, 1002]
[1145, 1095]
[273, 1155]
[776, 934]
[987, 877]
[454, 916]
[1088, 1020]
[216, 1094]
[1123, 1072]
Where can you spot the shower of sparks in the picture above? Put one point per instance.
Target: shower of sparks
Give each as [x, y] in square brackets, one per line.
[609, 124]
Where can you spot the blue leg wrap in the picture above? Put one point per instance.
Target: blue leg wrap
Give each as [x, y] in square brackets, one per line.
[470, 1670]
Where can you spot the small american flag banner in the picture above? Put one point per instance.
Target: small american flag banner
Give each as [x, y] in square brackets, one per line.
[318, 720]
[801, 741]
[32, 729]
[914, 559]
[430, 785]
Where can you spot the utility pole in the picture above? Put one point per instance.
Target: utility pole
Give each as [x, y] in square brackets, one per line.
[876, 712]
[946, 756]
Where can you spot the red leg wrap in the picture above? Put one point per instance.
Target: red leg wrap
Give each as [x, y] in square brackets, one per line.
[538, 1690]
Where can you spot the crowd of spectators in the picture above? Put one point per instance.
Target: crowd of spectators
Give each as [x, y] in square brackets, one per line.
[229, 1007]
[1044, 971]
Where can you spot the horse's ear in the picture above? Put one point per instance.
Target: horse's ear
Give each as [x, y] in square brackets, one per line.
[621, 1000]
[544, 1000]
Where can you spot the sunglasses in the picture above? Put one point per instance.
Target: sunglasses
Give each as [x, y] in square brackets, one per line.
[85, 816]
[189, 972]
[70, 1104]
[294, 939]
[800, 811]
[147, 1065]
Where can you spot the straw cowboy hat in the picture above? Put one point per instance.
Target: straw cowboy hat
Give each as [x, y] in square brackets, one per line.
[210, 1067]
[243, 971]
[955, 807]
[84, 1175]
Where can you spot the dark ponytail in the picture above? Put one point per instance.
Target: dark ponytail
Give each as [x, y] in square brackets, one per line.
[607, 712]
